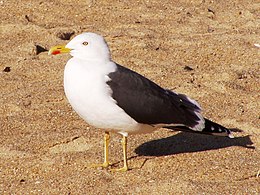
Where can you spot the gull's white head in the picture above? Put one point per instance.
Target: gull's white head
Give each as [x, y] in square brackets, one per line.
[86, 46]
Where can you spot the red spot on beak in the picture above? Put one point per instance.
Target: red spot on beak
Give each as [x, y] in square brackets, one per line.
[55, 52]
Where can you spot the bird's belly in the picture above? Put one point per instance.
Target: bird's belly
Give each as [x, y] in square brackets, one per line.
[90, 97]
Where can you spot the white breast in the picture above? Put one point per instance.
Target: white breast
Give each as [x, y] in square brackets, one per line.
[89, 95]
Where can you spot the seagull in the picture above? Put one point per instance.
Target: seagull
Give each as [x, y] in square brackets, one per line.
[116, 99]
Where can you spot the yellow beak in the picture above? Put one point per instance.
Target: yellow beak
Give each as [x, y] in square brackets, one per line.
[59, 49]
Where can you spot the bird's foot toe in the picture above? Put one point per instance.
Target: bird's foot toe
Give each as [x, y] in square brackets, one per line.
[122, 169]
[103, 165]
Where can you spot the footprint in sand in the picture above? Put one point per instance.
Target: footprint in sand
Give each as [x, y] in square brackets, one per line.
[8, 153]
[78, 144]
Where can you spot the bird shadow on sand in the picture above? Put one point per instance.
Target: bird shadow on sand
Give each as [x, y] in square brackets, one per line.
[185, 142]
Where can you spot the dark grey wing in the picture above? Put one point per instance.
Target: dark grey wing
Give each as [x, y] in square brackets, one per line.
[148, 103]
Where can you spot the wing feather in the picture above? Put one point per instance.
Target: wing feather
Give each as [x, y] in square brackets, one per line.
[148, 103]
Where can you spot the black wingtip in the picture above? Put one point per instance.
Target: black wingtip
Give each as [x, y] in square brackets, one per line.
[210, 128]
[216, 129]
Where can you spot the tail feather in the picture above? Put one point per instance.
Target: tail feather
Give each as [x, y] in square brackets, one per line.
[211, 128]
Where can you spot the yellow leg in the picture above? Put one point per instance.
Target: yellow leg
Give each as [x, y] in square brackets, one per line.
[106, 143]
[124, 145]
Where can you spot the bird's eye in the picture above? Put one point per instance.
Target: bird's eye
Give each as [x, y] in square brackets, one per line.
[85, 43]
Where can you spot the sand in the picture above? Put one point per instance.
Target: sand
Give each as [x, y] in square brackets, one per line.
[202, 48]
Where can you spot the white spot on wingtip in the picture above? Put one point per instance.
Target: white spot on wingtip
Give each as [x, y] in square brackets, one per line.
[212, 128]
[231, 136]
[219, 130]
[257, 45]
